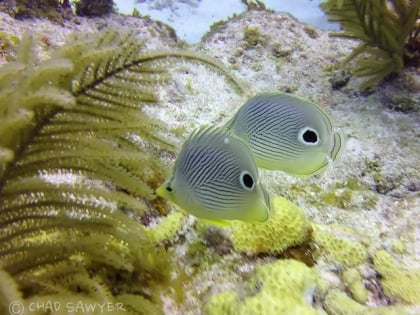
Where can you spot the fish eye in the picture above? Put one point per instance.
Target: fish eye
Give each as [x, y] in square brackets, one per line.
[308, 136]
[246, 180]
[168, 188]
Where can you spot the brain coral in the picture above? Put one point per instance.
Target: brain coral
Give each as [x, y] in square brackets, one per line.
[287, 226]
[282, 287]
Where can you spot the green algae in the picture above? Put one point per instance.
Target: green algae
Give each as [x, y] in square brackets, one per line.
[8, 45]
[353, 194]
[312, 32]
[253, 38]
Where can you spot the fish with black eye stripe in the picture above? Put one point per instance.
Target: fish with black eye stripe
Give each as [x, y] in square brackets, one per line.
[215, 177]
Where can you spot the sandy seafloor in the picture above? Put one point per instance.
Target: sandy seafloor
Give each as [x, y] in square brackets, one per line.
[386, 210]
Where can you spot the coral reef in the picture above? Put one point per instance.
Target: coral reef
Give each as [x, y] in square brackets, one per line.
[141, 252]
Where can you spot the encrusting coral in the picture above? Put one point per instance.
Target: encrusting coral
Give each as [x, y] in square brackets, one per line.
[287, 226]
[283, 287]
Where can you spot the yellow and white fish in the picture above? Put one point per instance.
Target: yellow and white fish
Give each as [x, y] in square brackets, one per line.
[215, 178]
[287, 133]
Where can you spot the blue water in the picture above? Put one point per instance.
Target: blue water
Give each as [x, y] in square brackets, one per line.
[192, 19]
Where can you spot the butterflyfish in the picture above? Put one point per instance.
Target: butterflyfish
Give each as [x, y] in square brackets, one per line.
[215, 177]
[287, 133]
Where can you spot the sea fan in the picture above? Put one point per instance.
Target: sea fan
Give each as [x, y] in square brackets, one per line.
[387, 30]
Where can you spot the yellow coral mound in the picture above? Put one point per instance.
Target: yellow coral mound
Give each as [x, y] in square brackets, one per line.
[342, 249]
[339, 303]
[397, 282]
[287, 226]
[354, 283]
[282, 287]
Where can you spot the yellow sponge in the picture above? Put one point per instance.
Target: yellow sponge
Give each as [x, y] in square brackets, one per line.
[397, 282]
[287, 226]
[338, 303]
[222, 303]
[354, 283]
[342, 250]
[282, 287]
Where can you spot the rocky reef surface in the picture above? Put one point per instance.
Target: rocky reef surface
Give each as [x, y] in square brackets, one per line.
[350, 240]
